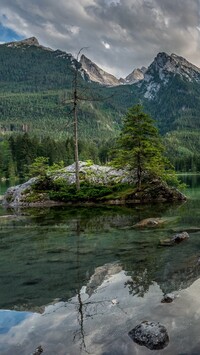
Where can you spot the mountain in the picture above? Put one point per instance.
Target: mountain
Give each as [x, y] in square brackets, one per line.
[135, 76]
[164, 68]
[28, 64]
[100, 76]
[36, 91]
[97, 74]
[170, 91]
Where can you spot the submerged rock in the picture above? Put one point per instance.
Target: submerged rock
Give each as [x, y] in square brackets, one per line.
[150, 334]
[175, 239]
[150, 222]
[38, 351]
[179, 237]
[168, 298]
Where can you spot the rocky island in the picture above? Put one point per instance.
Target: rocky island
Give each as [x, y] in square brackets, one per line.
[99, 185]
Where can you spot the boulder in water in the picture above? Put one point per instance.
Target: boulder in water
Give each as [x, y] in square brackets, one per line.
[175, 239]
[153, 335]
[168, 298]
[179, 237]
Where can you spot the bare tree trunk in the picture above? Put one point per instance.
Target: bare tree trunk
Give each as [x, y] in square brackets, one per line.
[76, 148]
[139, 172]
[76, 98]
[76, 156]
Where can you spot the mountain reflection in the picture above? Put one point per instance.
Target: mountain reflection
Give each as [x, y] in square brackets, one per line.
[49, 254]
[99, 323]
[88, 275]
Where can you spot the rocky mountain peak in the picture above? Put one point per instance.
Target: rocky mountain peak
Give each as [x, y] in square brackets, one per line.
[165, 64]
[97, 74]
[163, 68]
[135, 76]
[160, 60]
[32, 41]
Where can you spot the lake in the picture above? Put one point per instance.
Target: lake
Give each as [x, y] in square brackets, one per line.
[77, 280]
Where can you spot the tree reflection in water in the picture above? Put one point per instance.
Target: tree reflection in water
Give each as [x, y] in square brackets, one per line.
[139, 283]
[85, 308]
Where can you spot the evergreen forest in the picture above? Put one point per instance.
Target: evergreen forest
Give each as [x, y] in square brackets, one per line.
[36, 112]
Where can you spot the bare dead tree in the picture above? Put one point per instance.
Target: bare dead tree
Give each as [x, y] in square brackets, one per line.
[76, 98]
[75, 101]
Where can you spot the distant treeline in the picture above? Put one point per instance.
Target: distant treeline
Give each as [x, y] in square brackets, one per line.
[19, 151]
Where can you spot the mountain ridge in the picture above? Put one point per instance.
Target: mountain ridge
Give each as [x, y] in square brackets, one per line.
[36, 92]
[163, 63]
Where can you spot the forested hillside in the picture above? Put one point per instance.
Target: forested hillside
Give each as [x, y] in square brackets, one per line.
[35, 93]
[35, 90]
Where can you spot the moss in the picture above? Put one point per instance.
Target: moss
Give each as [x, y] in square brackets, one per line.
[89, 162]
[26, 191]
[88, 192]
[59, 182]
[124, 194]
[34, 197]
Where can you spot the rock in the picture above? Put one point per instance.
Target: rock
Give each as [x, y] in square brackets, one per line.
[168, 298]
[38, 351]
[14, 195]
[95, 174]
[28, 194]
[179, 237]
[114, 302]
[175, 239]
[158, 190]
[150, 222]
[150, 334]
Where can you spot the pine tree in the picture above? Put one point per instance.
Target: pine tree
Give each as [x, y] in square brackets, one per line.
[140, 146]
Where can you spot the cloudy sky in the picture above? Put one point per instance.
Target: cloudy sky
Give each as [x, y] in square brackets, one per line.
[120, 34]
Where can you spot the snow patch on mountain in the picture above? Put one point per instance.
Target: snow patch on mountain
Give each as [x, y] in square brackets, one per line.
[163, 69]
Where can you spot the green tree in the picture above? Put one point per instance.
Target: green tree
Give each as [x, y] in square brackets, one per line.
[39, 167]
[7, 166]
[140, 146]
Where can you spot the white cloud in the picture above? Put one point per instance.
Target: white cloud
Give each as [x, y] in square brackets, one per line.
[136, 30]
